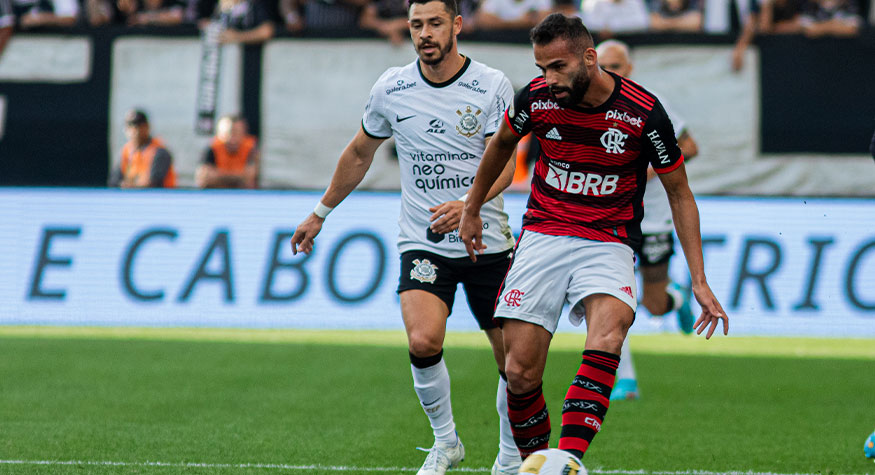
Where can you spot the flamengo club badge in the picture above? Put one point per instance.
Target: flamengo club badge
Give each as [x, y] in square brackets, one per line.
[468, 124]
[424, 271]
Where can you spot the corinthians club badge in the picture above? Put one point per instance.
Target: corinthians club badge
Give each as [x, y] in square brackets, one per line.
[468, 124]
[424, 271]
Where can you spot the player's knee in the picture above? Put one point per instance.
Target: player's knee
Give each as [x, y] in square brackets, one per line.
[423, 345]
[521, 378]
[656, 305]
[610, 342]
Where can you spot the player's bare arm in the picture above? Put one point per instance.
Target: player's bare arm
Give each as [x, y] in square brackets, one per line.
[686, 219]
[354, 163]
[494, 162]
[446, 216]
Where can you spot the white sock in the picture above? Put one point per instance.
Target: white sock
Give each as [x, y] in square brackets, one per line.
[432, 385]
[507, 449]
[676, 296]
[626, 370]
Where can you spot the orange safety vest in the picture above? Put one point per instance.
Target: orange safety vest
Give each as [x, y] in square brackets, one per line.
[137, 163]
[232, 162]
[521, 172]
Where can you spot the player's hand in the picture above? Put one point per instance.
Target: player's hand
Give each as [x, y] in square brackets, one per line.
[446, 216]
[305, 233]
[471, 233]
[712, 312]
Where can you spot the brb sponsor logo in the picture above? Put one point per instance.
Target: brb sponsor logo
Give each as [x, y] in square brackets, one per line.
[580, 183]
[540, 105]
[624, 117]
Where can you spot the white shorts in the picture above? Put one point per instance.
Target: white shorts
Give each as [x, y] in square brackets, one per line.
[548, 271]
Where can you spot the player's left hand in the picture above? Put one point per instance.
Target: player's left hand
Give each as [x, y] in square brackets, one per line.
[712, 312]
[450, 214]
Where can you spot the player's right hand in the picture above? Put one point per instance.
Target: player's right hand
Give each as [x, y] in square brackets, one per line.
[471, 233]
[305, 233]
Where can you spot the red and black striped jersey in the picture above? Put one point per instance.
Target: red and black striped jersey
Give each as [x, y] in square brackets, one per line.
[590, 177]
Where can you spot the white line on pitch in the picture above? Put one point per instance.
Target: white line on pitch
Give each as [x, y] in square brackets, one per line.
[345, 468]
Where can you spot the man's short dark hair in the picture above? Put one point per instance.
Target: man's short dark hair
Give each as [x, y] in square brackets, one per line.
[559, 26]
[136, 117]
[450, 5]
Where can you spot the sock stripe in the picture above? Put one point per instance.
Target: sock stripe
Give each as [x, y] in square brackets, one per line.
[529, 421]
[581, 419]
[597, 381]
[578, 403]
[599, 366]
[587, 400]
[573, 443]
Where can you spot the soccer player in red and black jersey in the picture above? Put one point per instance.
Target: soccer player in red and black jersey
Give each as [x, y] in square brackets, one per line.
[598, 133]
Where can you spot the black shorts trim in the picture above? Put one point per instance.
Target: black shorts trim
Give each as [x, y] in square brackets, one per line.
[655, 249]
[440, 276]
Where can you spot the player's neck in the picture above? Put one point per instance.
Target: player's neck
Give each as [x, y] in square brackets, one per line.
[600, 89]
[446, 69]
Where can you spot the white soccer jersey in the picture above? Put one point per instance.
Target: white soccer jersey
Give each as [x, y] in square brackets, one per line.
[657, 212]
[440, 132]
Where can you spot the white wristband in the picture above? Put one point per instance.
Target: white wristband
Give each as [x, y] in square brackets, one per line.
[463, 198]
[321, 210]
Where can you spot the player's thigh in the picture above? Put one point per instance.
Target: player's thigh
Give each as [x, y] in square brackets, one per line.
[526, 345]
[427, 288]
[607, 321]
[425, 320]
[535, 286]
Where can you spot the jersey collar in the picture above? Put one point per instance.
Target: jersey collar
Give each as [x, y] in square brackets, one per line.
[448, 81]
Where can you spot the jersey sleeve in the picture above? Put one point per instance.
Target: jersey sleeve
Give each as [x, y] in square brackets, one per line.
[375, 121]
[659, 144]
[503, 97]
[519, 114]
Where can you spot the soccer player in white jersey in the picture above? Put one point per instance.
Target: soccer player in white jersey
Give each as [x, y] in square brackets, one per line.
[442, 109]
[660, 295]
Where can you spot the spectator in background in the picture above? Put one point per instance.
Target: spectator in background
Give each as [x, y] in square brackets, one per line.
[388, 18]
[7, 23]
[156, 12]
[511, 14]
[40, 13]
[676, 15]
[231, 160]
[145, 162]
[830, 18]
[780, 16]
[749, 28]
[244, 21]
[614, 16]
[321, 14]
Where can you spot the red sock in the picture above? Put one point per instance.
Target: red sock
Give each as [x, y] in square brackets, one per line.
[587, 400]
[529, 421]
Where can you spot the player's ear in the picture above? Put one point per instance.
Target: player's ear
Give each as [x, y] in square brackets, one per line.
[457, 24]
[590, 58]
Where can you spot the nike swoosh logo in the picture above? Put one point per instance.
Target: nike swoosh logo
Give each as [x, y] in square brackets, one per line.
[431, 403]
[402, 119]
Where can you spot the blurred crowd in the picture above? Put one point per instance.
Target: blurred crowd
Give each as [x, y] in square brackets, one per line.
[252, 21]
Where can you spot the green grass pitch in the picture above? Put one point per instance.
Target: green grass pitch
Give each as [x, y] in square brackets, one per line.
[168, 401]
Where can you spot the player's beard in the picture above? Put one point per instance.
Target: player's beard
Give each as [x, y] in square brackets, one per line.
[579, 85]
[441, 52]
